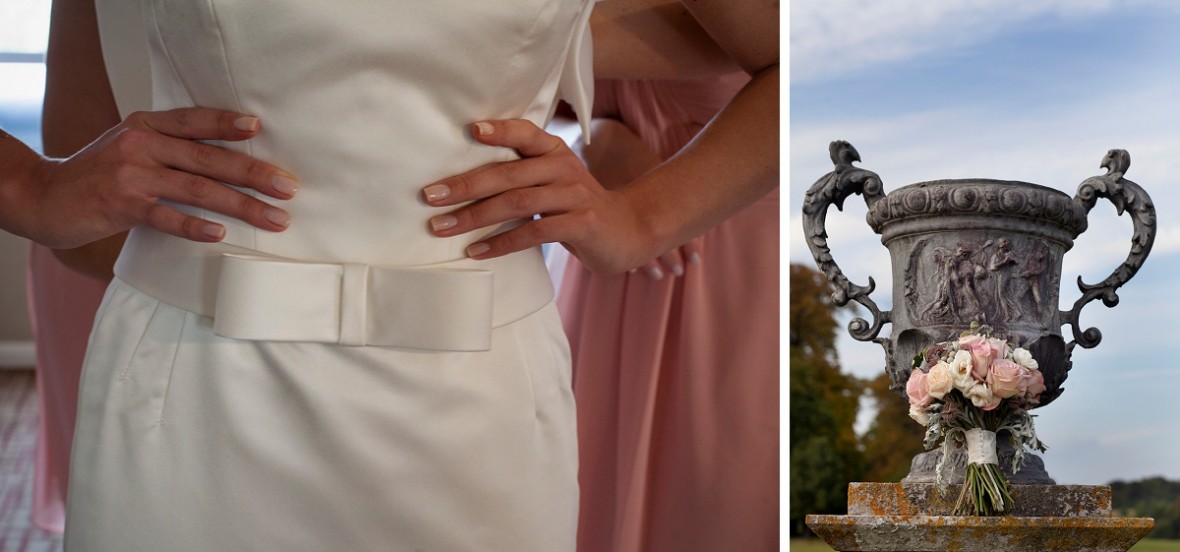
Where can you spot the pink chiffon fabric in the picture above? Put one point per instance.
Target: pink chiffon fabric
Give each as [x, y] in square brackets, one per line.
[677, 380]
[62, 304]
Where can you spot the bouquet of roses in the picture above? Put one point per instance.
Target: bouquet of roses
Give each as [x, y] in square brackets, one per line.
[965, 392]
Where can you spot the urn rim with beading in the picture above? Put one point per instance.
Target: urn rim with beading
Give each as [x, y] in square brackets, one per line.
[978, 197]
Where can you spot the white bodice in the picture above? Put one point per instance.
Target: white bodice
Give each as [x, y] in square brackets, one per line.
[366, 101]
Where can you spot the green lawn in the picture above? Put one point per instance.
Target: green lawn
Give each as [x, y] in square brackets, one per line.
[1149, 545]
[1156, 545]
[809, 545]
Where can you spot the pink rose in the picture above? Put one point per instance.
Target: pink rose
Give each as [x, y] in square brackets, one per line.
[971, 340]
[915, 388]
[982, 354]
[999, 345]
[1034, 385]
[1006, 378]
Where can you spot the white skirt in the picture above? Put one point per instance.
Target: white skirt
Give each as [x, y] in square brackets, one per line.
[187, 441]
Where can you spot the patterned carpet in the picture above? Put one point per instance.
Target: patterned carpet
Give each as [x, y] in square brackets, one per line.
[18, 430]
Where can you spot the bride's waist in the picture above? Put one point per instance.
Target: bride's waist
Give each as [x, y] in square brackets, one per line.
[378, 233]
[255, 294]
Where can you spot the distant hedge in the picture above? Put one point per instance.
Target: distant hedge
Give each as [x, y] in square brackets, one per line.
[1154, 497]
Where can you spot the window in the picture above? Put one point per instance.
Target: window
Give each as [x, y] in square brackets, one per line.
[24, 33]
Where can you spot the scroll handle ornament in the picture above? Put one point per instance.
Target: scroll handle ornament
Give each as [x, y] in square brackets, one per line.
[832, 189]
[1126, 196]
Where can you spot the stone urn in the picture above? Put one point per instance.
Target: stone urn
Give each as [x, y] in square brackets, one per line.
[976, 250]
[986, 251]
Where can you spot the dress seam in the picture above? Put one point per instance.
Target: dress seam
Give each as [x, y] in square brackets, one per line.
[172, 368]
[229, 76]
[125, 373]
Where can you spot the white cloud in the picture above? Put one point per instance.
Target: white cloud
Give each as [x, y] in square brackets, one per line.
[833, 37]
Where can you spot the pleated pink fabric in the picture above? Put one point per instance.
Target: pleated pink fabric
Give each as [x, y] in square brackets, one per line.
[677, 380]
[62, 304]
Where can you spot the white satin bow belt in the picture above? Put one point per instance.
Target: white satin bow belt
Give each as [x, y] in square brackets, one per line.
[451, 306]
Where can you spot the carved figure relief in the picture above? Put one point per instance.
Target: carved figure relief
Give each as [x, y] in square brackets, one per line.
[1032, 271]
[983, 281]
[1002, 263]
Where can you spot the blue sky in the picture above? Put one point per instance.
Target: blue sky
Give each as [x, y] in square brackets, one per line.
[1032, 90]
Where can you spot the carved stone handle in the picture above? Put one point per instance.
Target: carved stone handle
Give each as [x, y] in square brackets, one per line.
[1126, 196]
[832, 189]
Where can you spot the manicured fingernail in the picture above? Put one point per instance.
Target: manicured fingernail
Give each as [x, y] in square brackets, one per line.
[246, 124]
[484, 129]
[655, 272]
[695, 258]
[442, 222]
[436, 192]
[677, 270]
[278, 217]
[477, 249]
[215, 231]
[284, 184]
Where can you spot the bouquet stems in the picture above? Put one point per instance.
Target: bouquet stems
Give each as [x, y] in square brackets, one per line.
[985, 491]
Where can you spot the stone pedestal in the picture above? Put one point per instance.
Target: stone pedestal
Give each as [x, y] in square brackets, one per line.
[916, 517]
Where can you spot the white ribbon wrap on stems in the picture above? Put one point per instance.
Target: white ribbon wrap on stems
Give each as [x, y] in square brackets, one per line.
[981, 447]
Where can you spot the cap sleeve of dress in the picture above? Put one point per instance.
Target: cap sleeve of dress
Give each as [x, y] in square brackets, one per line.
[125, 54]
[577, 77]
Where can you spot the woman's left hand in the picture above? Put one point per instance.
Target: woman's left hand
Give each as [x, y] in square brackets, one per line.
[674, 261]
[605, 229]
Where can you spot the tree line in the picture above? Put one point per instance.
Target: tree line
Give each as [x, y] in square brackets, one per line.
[1153, 497]
[826, 453]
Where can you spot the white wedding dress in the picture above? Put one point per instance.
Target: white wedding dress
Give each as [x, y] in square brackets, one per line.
[352, 383]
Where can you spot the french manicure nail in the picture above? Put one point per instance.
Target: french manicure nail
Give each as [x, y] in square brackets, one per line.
[678, 270]
[246, 123]
[278, 217]
[477, 249]
[484, 129]
[655, 272]
[442, 222]
[215, 231]
[695, 258]
[284, 184]
[436, 192]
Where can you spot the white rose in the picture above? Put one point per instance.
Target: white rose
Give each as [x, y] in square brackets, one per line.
[919, 414]
[1024, 358]
[940, 380]
[982, 397]
[961, 367]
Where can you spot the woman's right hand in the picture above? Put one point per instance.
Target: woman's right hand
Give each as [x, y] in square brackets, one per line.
[116, 182]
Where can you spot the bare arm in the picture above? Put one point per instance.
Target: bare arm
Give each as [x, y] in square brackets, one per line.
[653, 39]
[734, 160]
[117, 181]
[78, 108]
[731, 163]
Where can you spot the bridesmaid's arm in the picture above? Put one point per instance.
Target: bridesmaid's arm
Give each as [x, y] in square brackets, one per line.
[616, 157]
[654, 39]
[730, 164]
[78, 108]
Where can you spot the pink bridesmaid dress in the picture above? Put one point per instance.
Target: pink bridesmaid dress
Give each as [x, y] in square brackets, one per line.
[677, 380]
[62, 304]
